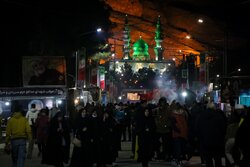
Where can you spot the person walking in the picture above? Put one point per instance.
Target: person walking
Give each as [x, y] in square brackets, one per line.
[32, 115]
[109, 146]
[179, 134]
[42, 125]
[163, 130]
[242, 139]
[211, 133]
[230, 148]
[127, 123]
[18, 131]
[146, 133]
[81, 156]
[58, 143]
[1, 121]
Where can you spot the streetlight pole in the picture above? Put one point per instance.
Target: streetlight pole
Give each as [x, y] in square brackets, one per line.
[85, 59]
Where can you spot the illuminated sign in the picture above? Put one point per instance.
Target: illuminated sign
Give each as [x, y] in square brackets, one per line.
[133, 96]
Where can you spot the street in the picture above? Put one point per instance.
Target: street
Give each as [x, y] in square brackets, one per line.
[122, 161]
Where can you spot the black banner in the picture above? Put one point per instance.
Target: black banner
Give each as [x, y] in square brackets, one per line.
[32, 92]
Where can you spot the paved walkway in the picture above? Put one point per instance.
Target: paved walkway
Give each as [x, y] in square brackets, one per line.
[123, 160]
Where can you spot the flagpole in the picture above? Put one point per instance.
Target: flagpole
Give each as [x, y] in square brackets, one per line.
[77, 66]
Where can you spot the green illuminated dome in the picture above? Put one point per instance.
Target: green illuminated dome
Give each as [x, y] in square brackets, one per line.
[140, 50]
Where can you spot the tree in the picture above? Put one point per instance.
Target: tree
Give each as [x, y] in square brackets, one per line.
[126, 75]
[146, 78]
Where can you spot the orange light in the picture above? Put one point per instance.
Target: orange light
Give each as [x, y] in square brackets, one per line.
[102, 61]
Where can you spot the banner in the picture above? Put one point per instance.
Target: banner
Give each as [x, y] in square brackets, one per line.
[44, 71]
[102, 77]
[26, 93]
[102, 81]
[94, 76]
[202, 73]
[81, 65]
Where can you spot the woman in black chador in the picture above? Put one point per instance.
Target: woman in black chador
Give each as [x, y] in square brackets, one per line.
[80, 155]
[58, 145]
[146, 133]
[109, 147]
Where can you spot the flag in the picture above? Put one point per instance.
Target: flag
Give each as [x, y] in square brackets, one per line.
[94, 76]
[81, 65]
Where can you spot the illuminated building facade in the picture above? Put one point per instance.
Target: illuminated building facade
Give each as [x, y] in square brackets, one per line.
[140, 60]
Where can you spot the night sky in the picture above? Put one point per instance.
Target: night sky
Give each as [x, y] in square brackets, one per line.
[58, 24]
[24, 24]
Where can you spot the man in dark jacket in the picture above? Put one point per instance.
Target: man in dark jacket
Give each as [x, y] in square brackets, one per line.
[242, 140]
[211, 133]
[163, 129]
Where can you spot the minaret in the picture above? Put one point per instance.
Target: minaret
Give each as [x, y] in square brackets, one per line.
[126, 39]
[158, 40]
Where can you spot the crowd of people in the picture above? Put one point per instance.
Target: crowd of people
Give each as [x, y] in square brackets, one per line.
[170, 132]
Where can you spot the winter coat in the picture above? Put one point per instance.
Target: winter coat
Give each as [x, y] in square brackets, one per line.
[242, 139]
[58, 144]
[231, 130]
[146, 135]
[211, 129]
[18, 127]
[109, 142]
[42, 125]
[179, 124]
[81, 156]
[162, 120]
[32, 114]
